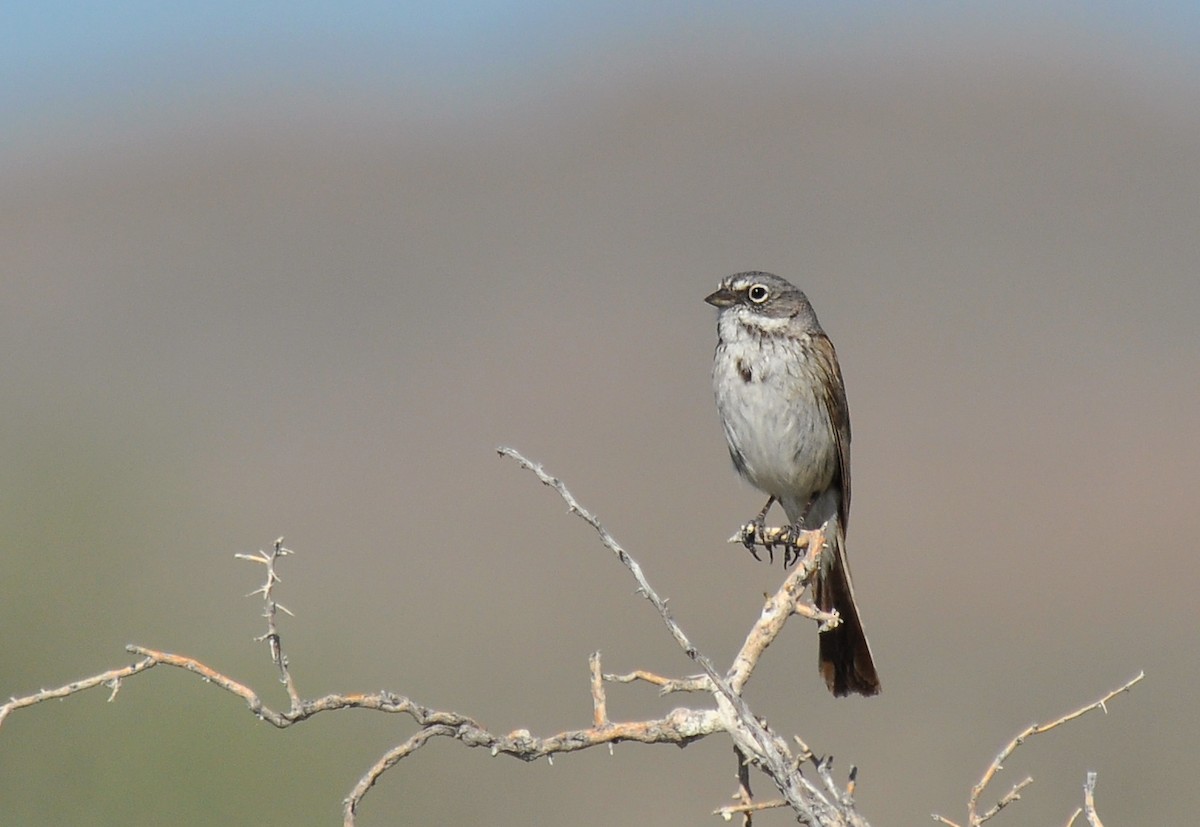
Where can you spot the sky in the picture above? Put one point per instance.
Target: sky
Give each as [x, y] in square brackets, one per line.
[56, 56]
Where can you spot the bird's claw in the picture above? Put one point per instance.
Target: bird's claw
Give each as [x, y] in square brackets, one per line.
[798, 542]
[791, 545]
[754, 534]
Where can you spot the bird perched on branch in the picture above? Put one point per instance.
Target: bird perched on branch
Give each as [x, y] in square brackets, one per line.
[783, 407]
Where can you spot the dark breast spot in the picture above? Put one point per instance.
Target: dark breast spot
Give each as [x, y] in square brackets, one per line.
[744, 371]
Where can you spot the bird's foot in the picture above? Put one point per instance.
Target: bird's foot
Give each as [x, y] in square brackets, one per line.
[754, 534]
[795, 543]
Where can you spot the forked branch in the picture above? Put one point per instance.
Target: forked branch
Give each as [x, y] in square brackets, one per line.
[819, 801]
[804, 781]
[976, 818]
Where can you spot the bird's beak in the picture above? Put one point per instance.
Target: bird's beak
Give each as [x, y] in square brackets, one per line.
[722, 298]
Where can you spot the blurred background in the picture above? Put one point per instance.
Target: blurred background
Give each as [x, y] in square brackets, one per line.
[288, 269]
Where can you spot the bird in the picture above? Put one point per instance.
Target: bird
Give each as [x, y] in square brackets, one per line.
[782, 403]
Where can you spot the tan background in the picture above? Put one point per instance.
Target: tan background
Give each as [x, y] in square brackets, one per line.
[279, 300]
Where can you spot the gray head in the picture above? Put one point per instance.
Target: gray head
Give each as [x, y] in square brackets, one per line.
[764, 295]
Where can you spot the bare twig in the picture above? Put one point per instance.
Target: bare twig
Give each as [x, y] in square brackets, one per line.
[666, 685]
[112, 679]
[1008, 798]
[612, 545]
[748, 809]
[744, 794]
[680, 726]
[271, 609]
[599, 701]
[768, 750]
[385, 763]
[819, 801]
[776, 611]
[943, 820]
[746, 806]
[825, 805]
[1089, 800]
[974, 818]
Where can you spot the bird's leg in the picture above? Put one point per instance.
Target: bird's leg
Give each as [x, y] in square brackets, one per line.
[755, 532]
[791, 544]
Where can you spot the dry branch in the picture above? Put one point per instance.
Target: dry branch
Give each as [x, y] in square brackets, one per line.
[815, 798]
[1089, 800]
[975, 818]
[819, 801]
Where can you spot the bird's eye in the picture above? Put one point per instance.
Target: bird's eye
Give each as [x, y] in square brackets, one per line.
[758, 293]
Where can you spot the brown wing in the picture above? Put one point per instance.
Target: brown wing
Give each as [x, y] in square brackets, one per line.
[845, 655]
[834, 399]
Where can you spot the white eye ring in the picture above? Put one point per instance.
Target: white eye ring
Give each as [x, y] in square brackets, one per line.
[758, 293]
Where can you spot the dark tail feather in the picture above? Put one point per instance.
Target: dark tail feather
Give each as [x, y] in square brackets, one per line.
[846, 662]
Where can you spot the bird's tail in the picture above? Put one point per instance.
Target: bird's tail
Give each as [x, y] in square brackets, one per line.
[845, 655]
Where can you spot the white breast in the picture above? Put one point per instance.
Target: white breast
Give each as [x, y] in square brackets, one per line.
[776, 427]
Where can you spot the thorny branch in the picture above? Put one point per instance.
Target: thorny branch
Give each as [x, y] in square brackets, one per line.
[769, 751]
[816, 800]
[975, 818]
[267, 590]
[821, 803]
